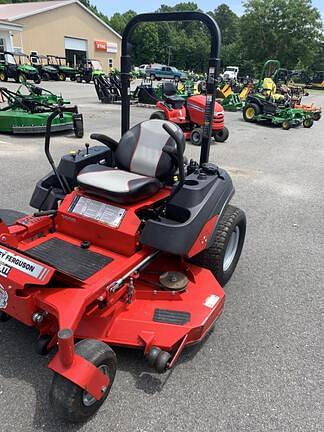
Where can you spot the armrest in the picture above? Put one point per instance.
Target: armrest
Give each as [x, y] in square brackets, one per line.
[104, 139]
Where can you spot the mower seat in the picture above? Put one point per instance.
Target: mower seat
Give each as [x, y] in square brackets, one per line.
[170, 95]
[145, 159]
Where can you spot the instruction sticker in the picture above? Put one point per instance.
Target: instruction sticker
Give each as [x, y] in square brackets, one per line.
[211, 301]
[99, 211]
[9, 259]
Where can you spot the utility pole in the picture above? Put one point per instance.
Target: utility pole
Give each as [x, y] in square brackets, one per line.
[169, 54]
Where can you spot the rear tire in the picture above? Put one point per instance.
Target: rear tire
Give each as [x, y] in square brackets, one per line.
[316, 116]
[3, 76]
[250, 111]
[221, 135]
[41, 345]
[62, 77]
[72, 78]
[71, 402]
[78, 126]
[196, 136]
[159, 115]
[222, 256]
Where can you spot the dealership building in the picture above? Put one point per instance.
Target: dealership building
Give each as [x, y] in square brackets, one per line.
[63, 28]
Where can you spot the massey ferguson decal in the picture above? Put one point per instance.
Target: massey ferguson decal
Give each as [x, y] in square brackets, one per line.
[9, 259]
[4, 270]
[3, 298]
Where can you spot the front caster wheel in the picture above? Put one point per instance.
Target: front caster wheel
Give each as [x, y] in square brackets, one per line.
[162, 361]
[153, 355]
[158, 359]
[286, 125]
[222, 256]
[71, 402]
[41, 345]
[308, 123]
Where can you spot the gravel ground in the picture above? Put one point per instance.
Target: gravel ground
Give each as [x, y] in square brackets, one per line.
[259, 370]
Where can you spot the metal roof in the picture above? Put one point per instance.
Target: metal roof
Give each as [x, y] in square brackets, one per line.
[15, 11]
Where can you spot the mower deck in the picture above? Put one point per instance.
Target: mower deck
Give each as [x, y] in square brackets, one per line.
[58, 267]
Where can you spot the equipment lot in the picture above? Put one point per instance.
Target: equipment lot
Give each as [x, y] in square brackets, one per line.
[259, 368]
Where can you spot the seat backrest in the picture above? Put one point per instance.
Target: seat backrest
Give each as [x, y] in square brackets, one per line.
[140, 150]
[269, 84]
[169, 89]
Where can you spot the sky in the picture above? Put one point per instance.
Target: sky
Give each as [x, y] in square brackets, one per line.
[110, 7]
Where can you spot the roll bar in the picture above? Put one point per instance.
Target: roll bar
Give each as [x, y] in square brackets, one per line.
[213, 67]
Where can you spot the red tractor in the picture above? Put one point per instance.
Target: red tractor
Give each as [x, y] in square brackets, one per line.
[189, 114]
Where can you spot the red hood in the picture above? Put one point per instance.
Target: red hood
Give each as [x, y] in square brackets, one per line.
[200, 101]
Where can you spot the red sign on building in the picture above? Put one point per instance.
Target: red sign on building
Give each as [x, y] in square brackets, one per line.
[100, 45]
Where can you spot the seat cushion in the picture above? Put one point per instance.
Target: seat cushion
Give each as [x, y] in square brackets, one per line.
[176, 101]
[117, 185]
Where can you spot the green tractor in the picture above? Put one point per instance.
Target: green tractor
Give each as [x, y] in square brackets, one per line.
[265, 104]
[46, 71]
[89, 70]
[18, 67]
[60, 64]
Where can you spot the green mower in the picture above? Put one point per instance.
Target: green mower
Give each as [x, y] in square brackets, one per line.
[28, 114]
[266, 105]
[17, 67]
[39, 94]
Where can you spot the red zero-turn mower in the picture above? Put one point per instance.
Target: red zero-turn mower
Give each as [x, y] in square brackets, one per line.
[128, 247]
[189, 114]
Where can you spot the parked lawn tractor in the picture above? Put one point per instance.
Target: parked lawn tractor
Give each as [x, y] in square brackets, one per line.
[20, 70]
[89, 70]
[189, 114]
[228, 99]
[28, 113]
[128, 247]
[187, 88]
[64, 71]
[46, 71]
[266, 104]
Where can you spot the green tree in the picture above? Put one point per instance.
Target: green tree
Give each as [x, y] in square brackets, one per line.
[287, 30]
[119, 21]
[228, 22]
[229, 25]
